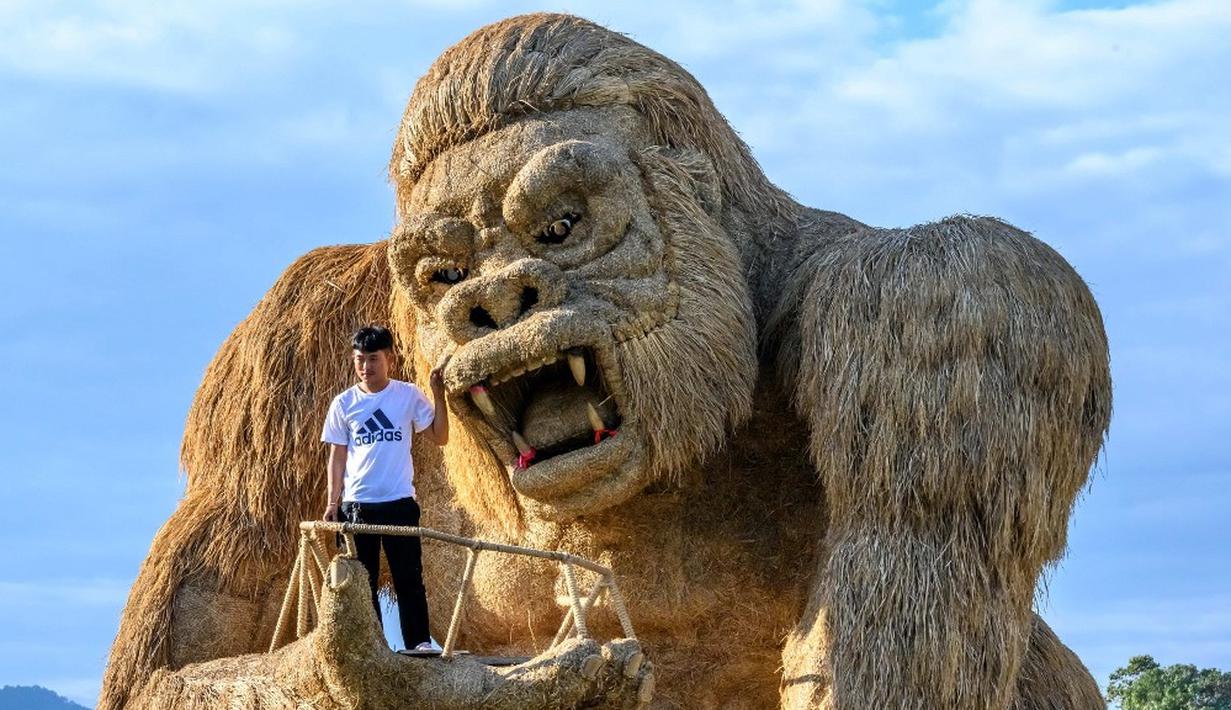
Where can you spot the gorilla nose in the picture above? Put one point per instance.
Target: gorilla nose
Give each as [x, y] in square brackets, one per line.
[481, 318]
[481, 305]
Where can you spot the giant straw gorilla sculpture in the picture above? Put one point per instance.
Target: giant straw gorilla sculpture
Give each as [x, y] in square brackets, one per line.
[828, 462]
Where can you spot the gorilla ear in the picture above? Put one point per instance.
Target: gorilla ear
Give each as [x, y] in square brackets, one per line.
[701, 175]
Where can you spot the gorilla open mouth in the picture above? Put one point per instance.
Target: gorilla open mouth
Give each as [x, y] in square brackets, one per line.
[549, 407]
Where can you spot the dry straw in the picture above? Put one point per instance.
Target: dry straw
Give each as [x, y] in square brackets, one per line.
[345, 663]
[955, 380]
[860, 447]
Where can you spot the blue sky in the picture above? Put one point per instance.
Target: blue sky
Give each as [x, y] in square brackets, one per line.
[161, 163]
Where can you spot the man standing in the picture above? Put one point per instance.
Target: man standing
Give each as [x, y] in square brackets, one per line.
[371, 473]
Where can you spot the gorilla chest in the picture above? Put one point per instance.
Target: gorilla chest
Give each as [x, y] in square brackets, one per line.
[686, 559]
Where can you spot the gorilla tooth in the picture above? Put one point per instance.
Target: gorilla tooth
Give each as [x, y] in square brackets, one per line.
[596, 422]
[522, 445]
[482, 400]
[577, 364]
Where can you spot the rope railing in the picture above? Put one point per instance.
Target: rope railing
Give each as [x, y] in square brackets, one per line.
[305, 587]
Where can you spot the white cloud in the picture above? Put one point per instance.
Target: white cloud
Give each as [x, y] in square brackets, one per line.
[1099, 164]
[173, 46]
[1012, 98]
[1006, 96]
[997, 51]
[699, 30]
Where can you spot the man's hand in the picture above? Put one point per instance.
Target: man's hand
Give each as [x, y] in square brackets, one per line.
[437, 379]
[331, 513]
[438, 432]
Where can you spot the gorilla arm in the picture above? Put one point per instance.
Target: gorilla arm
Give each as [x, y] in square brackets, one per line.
[954, 379]
[211, 584]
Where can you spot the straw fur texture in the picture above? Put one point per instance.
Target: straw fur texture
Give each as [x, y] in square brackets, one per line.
[827, 462]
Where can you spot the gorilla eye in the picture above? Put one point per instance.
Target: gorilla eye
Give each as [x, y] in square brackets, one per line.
[449, 276]
[558, 231]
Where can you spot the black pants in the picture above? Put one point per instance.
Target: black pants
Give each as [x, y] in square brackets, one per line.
[405, 557]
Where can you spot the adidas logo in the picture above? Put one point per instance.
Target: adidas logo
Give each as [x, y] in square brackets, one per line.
[377, 428]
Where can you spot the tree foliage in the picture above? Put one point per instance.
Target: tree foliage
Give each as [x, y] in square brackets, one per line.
[1145, 685]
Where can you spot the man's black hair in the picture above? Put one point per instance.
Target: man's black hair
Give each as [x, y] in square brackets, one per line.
[372, 338]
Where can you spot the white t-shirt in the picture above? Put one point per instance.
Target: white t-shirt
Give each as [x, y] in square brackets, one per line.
[376, 431]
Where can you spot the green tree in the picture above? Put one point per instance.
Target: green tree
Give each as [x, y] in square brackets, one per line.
[1145, 685]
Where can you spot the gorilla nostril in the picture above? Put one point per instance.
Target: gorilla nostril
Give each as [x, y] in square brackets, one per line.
[480, 317]
[529, 297]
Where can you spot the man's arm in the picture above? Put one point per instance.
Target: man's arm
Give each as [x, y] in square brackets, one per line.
[334, 471]
[438, 432]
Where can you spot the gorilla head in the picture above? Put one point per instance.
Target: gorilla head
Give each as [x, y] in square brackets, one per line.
[574, 225]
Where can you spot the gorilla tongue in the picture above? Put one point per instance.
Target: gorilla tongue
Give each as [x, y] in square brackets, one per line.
[556, 411]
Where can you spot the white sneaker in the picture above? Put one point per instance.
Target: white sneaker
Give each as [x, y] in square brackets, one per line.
[425, 646]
